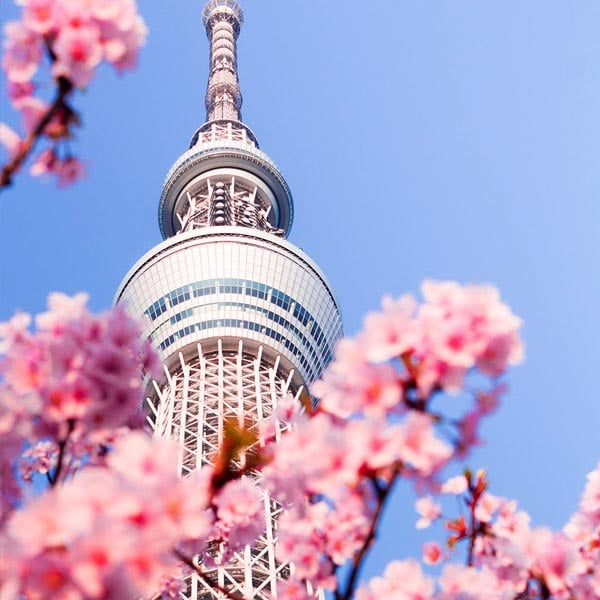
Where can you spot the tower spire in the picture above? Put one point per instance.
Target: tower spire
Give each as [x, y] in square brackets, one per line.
[222, 21]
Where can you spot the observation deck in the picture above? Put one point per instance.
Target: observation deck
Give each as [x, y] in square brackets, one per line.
[232, 284]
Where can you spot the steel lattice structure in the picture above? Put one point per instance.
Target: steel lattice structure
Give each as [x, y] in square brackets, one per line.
[192, 409]
[240, 316]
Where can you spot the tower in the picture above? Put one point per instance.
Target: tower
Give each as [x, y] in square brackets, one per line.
[239, 315]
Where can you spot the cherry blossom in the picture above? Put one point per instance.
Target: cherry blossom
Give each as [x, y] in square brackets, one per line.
[467, 583]
[78, 52]
[72, 38]
[429, 511]
[9, 139]
[384, 380]
[40, 458]
[432, 553]
[67, 385]
[402, 580]
[455, 485]
[22, 52]
[127, 525]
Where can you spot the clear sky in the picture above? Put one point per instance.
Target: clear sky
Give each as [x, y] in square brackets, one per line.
[454, 139]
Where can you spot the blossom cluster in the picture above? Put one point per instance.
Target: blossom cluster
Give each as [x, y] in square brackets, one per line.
[117, 530]
[73, 382]
[76, 36]
[129, 525]
[456, 329]
[565, 563]
[508, 558]
[376, 423]
[405, 580]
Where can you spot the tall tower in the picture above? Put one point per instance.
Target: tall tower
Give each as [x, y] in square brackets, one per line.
[239, 315]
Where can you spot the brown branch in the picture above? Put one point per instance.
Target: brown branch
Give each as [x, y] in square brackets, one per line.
[544, 590]
[475, 529]
[358, 560]
[187, 560]
[61, 454]
[472, 535]
[65, 87]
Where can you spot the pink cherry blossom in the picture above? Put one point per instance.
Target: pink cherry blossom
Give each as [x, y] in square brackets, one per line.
[240, 516]
[467, 583]
[109, 527]
[373, 389]
[455, 485]
[299, 542]
[40, 458]
[345, 528]
[294, 590]
[121, 38]
[391, 332]
[551, 556]
[465, 327]
[486, 507]
[22, 52]
[418, 444]
[40, 16]
[172, 587]
[135, 458]
[590, 501]
[429, 511]
[78, 51]
[75, 36]
[69, 171]
[432, 553]
[239, 501]
[9, 139]
[76, 367]
[401, 580]
[32, 110]
[75, 383]
[17, 91]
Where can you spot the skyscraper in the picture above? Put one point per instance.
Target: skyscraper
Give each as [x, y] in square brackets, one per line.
[239, 315]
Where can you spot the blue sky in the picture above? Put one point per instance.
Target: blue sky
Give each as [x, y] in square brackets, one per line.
[454, 139]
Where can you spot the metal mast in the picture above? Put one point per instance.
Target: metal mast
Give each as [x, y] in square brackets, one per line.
[239, 315]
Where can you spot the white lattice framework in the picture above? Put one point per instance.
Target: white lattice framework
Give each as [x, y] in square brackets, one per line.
[225, 199]
[191, 408]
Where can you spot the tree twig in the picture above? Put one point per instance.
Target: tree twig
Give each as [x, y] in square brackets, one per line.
[65, 87]
[61, 453]
[472, 534]
[357, 562]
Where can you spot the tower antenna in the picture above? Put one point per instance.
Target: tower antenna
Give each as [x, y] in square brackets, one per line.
[222, 21]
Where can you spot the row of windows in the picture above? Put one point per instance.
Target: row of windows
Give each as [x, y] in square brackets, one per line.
[156, 309]
[188, 312]
[325, 355]
[235, 286]
[241, 324]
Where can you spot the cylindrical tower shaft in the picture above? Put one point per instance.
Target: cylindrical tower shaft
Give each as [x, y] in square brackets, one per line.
[192, 408]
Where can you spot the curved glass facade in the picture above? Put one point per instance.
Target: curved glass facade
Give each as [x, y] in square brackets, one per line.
[230, 284]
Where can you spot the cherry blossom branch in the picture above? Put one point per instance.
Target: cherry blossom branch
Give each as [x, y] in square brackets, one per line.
[214, 586]
[472, 537]
[358, 560]
[475, 530]
[64, 89]
[77, 37]
[544, 591]
[61, 454]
